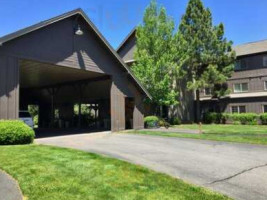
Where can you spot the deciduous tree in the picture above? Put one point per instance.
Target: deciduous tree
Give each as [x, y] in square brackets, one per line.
[155, 55]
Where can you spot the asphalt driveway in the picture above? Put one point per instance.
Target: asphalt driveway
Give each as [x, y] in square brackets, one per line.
[238, 170]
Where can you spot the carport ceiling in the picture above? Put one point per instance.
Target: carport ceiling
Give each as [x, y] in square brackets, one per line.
[36, 74]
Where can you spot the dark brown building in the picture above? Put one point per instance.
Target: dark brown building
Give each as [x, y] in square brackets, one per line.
[248, 83]
[65, 61]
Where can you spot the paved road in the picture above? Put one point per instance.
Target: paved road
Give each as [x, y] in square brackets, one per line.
[238, 170]
[9, 188]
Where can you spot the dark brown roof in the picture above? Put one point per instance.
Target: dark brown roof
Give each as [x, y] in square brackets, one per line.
[79, 11]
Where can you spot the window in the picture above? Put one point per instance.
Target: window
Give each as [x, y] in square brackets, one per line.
[265, 108]
[207, 92]
[265, 85]
[240, 87]
[241, 64]
[238, 109]
[264, 61]
[234, 109]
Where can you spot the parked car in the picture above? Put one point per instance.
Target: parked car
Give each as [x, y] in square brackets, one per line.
[25, 116]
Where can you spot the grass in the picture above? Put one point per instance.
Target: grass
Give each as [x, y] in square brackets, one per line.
[231, 133]
[51, 173]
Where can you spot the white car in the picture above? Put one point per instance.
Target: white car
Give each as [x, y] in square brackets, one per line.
[25, 116]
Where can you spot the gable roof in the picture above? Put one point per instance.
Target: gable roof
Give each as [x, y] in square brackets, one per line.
[78, 11]
[132, 33]
[241, 50]
[251, 48]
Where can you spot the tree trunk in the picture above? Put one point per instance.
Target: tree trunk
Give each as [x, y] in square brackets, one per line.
[160, 108]
[198, 106]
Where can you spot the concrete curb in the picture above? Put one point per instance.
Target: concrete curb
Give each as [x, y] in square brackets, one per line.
[9, 187]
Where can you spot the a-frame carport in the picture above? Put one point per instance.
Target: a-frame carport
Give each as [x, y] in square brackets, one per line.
[63, 61]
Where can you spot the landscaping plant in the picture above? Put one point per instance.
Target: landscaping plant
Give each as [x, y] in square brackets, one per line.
[15, 132]
[151, 121]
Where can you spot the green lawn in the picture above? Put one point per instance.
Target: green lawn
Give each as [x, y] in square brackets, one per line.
[230, 133]
[50, 173]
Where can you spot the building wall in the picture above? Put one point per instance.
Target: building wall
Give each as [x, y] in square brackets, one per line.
[9, 87]
[57, 44]
[253, 105]
[127, 51]
[255, 75]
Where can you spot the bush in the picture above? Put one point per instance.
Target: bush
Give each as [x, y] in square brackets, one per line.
[213, 118]
[236, 123]
[161, 122]
[176, 121]
[263, 118]
[244, 118]
[151, 121]
[15, 132]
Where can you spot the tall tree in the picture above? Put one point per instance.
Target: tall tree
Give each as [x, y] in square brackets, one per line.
[154, 55]
[206, 55]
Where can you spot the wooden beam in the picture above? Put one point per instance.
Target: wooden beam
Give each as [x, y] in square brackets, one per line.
[81, 82]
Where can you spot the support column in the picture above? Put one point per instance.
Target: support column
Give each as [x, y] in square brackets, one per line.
[80, 107]
[53, 92]
[117, 105]
[9, 87]
[138, 116]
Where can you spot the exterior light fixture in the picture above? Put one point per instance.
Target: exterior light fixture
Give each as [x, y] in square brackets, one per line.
[78, 31]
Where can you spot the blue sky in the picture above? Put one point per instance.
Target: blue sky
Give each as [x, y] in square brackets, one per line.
[244, 20]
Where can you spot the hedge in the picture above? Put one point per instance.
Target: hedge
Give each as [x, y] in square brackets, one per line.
[14, 132]
[244, 118]
[235, 118]
[263, 118]
[213, 118]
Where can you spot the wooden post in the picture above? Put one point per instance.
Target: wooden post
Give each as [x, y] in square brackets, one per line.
[80, 106]
[200, 127]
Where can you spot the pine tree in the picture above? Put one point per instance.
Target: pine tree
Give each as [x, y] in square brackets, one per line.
[154, 55]
[206, 55]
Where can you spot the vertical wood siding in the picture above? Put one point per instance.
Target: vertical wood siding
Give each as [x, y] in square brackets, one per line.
[57, 44]
[127, 52]
[9, 88]
[117, 102]
[138, 114]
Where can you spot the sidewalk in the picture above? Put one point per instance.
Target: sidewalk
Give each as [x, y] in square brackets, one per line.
[9, 188]
[173, 130]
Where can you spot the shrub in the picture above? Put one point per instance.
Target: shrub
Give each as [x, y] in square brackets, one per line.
[151, 121]
[212, 118]
[15, 132]
[244, 118]
[167, 125]
[255, 122]
[263, 118]
[236, 122]
[175, 121]
[225, 117]
[161, 122]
